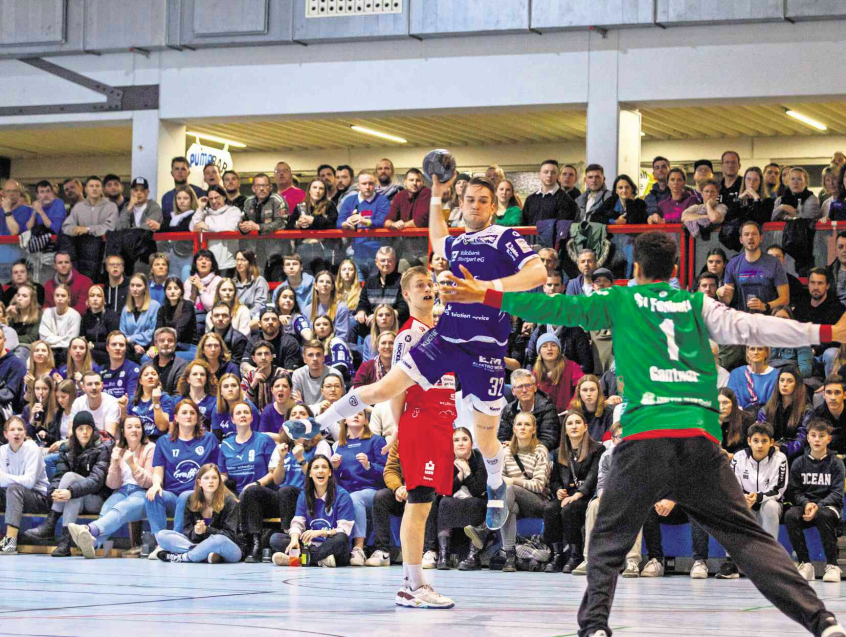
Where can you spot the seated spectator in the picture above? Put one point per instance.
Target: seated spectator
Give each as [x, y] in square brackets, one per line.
[79, 484]
[244, 460]
[772, 180]
[832, 412]
[88, 221]
[385, 319]
[528, 400]
[365, 210]
[79, 362]
[200, 385]
[16, 213]
[40, 412]
[785, 412]
[572, 483]
[816, 490]
[821, 307]
[229, 393]
[798, 202]
[681, 198]
[575, 342]
[834, 208]
[59, 428]
[293, 323]
[120, 376]
[357, 458]
[798, 291]
[151, 404]
[752, 204]
[264, 210]
[129, 476]
[221, 316]
[754, 383]
[285, 346]
[326, 302]
[382, 288]
[214, 352]
[550, 201]
[526, 474]
[40, 363]
[666, 512]
[214, 214]
[23, 481]
[337, 353]
[24, 315]
[103, 408]
[67, 274]
[301, 282]
[178, 314]
[660, 190]
[583, 284]
[48, 211]
[707, 215]
[324, 520]
[257, 382]
[830, 175]
[20, 276]
[117, 287]
[371, 371]
[347, 285]
[97, 323]
[251, 286]
[164, 359]
[803, 357]
[138, 318]
[555, 374]
[227, 293]
[734, 422]
[308, 379]
[757, 280]
[331, 389]
[622, 205]
[201, 286]
[510, 207]
[159, 269]
[548, 256]
[176, 463]
[634, 555]
[213, 542]
[715, 263]
[185, 203]
[707, 283]
[567, 179]
[598, 412]
[276, 412]
[59, 324]
[592, 201]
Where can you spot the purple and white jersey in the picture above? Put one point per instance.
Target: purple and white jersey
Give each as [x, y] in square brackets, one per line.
[493, 253]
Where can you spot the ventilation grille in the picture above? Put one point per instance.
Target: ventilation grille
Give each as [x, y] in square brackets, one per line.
[336, 8]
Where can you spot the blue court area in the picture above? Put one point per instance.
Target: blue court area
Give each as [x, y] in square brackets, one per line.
[115, 597]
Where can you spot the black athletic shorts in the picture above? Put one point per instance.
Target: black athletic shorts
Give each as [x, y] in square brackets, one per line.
[421, 495]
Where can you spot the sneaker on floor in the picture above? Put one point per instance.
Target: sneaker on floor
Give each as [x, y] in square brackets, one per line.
[653, 568]
[832, 573]
[214, 558]
[9, 546]
[581, 569]
[327, 562]
[379, 558]
[476, 535]
[430, 559]
[834, 630]
[358, 558]
[81, 536]
[135, 551]
[699, 570]
[728, 570]
[423, 597]
[632, 569]
[600, 633]
[301, 428]
[280, 559]
[154, 554]
[167, 556]
[497, 511]
[806, 570]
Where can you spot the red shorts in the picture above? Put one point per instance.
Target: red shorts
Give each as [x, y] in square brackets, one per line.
[426, 453]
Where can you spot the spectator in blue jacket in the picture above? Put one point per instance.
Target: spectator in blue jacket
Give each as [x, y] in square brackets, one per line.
[16, 212]
[363, 211]
[754, 382]
[138, 318]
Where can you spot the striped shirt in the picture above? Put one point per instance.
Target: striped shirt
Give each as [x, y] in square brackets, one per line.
[536, 465]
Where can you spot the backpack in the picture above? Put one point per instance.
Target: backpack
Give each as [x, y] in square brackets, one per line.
[798, 242]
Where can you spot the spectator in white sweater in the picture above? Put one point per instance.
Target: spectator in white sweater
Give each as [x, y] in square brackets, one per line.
[215, 215]
[23, 481]
[60, 324]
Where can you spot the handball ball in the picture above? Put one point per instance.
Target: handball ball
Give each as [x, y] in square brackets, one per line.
[439, 162]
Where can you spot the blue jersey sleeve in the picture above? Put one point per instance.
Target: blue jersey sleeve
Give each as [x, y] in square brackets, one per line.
[516, 248]
[300, 324]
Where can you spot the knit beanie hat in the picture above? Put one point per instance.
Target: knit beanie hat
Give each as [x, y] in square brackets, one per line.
[549, 337]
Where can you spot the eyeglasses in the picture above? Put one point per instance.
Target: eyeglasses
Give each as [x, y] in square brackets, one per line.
[525, 387]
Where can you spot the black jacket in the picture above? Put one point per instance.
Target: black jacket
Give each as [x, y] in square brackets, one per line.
[326, 221]
[538, 207]
[575, 345]
[838, 436]
[170, 373]
[285, 346]
[92, 463]
[819, 481]
[635, 211]
[9, 294]
[373, 293]
[52, 429]
[827, 313]
[186, 326]
[236, 342]
[224, 522]
[599, 425]
[549, 431]
[477, 481]
[116, 296]
[578, 477]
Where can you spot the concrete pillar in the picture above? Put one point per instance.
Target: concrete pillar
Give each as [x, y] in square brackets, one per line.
[154, 144]
[628, 146]
[603, 110]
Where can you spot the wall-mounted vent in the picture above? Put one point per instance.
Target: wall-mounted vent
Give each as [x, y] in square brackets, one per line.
[338, 8]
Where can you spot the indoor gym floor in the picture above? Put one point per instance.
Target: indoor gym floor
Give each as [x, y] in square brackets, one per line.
[118, 597]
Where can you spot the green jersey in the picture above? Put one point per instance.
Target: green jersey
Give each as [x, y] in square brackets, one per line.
[661, 349]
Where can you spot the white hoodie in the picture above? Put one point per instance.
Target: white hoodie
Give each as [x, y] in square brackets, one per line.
[26, 467]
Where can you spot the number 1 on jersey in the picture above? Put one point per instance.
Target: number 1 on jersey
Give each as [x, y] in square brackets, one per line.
[669, 328]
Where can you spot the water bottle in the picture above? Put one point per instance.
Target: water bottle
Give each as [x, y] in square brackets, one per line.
[294, 555]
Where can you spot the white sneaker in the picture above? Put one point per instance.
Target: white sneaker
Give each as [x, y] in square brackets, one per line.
[653, 568]
[632, 568]
[358, 558]
[328, 562]
[430, 560]
[699, 570]
[835, 630]
[82, 537]
[379, 558]
[806, 570]
[600, 633]
[581, 569]
[8, 546]
[280, 559]
[154, 554]
[832, 573]
[423, 597]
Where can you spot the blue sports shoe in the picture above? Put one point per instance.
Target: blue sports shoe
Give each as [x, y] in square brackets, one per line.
[306, 428]
[497, 511]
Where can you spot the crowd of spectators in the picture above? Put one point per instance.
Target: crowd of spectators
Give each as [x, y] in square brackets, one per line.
[141, 382]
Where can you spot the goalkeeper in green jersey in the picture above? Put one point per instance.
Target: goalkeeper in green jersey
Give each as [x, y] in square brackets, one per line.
[671, 429]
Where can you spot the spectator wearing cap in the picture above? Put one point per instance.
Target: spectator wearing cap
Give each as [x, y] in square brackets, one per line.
[702, 169]
[16, 213]
[592, 200]
[525, 389]
[660, 189]
[550, 201]
[48, 211]
[567, 179]
[113, 188]
[555, 374]
[140, 211]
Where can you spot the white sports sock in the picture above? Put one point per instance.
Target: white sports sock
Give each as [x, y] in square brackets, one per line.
[416, 577]
[405, 573]
[347, 406]
[495, 466]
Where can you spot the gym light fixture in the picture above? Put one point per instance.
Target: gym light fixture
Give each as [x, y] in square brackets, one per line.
[376, 133]
[805, 119]
[214, 138]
